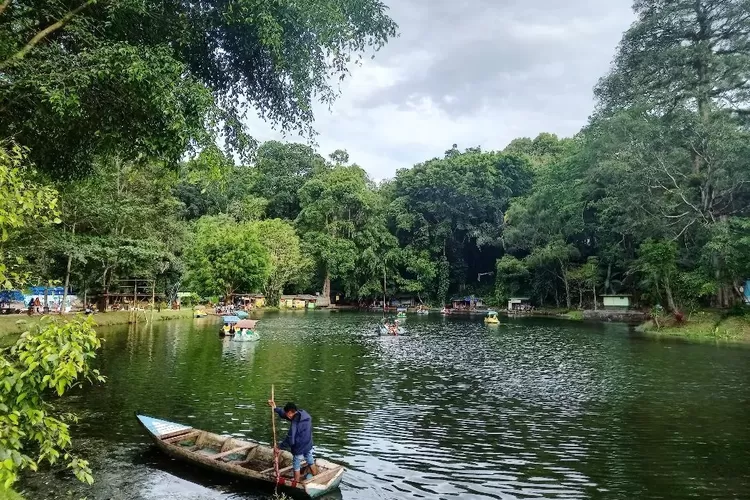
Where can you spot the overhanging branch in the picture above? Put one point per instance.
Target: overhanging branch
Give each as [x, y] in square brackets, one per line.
[45, 32]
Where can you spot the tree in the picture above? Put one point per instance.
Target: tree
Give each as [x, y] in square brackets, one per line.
[419, 272]
[282, 171]
[225, 257]
[511, 275]
[287, 264]
[455, 206]
[337, 204]
[120, 223]
[212, 184]
[112, 77]
[443, 280]
[24, 202]
[657, 264]
[50, 359]
[682, 53]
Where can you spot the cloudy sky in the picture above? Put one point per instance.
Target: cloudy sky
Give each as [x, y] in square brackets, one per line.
[471, 72]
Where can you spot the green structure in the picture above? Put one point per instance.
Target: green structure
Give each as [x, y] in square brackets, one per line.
[619, 302]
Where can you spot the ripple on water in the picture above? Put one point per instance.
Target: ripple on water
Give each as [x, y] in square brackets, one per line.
[532, 409]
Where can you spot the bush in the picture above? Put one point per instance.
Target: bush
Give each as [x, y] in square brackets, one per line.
[46, 361]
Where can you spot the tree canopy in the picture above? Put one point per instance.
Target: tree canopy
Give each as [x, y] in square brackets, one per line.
[84, 78]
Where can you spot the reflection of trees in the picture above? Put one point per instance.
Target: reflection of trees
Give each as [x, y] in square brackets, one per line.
[679, 431]
[322, 373]
[182, 371]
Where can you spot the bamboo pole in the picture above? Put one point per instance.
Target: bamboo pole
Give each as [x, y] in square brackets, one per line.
[275, 447]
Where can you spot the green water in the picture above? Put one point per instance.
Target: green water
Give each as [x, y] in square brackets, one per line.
[532, 409]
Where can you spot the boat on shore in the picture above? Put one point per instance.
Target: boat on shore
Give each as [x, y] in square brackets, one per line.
[241, 459]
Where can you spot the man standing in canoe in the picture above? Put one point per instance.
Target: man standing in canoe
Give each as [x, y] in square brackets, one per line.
[299, 438]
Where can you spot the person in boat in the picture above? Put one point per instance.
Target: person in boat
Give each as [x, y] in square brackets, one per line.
[299, 438]
[394, 328]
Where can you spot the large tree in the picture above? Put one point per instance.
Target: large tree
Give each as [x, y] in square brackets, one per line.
[80, 78]
[287, 263]
[337, 206]
[678, 53]
[282, 169]
[225, 257]
[455, 207]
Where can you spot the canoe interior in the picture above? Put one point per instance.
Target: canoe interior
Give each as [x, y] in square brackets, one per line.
[250, 455]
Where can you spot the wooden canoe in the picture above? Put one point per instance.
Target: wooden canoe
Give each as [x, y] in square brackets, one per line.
[242, 459]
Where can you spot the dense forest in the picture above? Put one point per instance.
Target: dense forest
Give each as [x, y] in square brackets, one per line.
[111, 157]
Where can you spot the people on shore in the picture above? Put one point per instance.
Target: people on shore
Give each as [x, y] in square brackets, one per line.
[299, 438]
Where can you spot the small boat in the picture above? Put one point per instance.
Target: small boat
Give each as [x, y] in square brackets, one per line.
[445, 311]
[244, 331]
[387, 327]
[401, 312]
[389, 330]
[242, 314]
[238, 458]
[423, 312]
[200, 313]
[228, 327]
[491, 318]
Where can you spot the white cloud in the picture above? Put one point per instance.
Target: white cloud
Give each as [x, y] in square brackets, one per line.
[482, 74]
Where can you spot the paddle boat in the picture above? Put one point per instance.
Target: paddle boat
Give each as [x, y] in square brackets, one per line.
[401, 312]
[445, 311]
[228, 328]
[423, 311]
[243, 459]
[200, 313]
[242, 314]
[387, 328]
[491, 318]
[244, 331]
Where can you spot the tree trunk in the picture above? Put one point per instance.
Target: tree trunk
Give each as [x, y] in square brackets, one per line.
[327, 288]
[580, 297]
[384, 288]
[595, 306]
[670, 298]
[607, 281]
[67, 275]
[567, 286]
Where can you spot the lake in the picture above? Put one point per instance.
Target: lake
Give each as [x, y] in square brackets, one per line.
[534, 408]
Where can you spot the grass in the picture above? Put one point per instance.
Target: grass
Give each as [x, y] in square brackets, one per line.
[574, 315]
[19, 323]
[702, 326]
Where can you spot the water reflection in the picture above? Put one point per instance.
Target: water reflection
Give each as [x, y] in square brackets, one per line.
[456, 409]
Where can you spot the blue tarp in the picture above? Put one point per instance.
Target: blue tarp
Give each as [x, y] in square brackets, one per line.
[747, 291]
[52, 290]
[11, 296]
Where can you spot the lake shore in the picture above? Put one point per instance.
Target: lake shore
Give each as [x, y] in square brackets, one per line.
[19, 323]
[702, 326]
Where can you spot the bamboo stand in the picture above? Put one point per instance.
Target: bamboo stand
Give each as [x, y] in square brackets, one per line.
[275, 447]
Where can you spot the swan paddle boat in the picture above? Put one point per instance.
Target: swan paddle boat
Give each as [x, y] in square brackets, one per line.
[491, 318]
